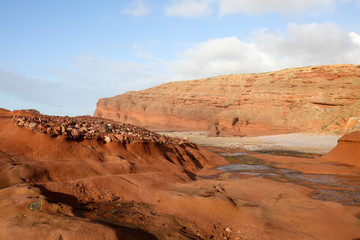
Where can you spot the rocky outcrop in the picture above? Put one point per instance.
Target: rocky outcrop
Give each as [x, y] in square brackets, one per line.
[309, 99]
[80, 128]
[347, 151]
[52, 176]
[49, 142]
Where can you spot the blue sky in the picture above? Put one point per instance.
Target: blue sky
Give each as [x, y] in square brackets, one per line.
[60, 57]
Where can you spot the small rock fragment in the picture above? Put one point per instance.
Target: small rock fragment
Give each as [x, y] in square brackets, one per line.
[107, 139]
[32, 125]
[35, 206]
[57, 130]
[83, 129]
[103, 128]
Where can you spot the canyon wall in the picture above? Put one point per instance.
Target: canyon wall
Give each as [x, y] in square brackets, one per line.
[309, 99]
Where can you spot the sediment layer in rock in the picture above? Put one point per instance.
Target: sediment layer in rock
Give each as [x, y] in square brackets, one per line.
[309, 99]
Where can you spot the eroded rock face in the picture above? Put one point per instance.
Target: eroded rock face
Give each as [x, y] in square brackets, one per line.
[347, 151]
[309, 99]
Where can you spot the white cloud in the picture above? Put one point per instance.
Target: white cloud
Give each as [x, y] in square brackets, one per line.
[355, 37]
[198, 8]
[311, 44]
[287, 7]
[301, 45]
[137, 8]
[190, 8]
[220, 56]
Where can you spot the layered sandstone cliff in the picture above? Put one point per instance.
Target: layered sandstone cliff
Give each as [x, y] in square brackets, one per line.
[309, 99]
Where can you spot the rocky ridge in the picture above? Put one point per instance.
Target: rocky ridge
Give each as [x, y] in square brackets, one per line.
[80, 128]
[310, 99]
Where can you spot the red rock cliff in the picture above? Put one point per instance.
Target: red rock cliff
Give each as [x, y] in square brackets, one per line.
[309, 99]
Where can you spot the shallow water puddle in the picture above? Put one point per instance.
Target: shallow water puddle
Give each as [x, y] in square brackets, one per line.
[338, 188]
[245, 168]
[233, 154]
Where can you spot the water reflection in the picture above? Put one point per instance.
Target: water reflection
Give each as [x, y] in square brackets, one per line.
[338, 188]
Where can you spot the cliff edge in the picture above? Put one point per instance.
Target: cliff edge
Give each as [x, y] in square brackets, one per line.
[309, 99]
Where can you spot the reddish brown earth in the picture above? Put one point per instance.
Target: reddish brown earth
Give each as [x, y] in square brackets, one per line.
[347, 151]
[67, 176]
[54, 186]
[309, 99]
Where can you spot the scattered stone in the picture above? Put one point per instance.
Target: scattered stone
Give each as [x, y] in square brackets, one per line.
[57, 130]
[104, 128]
[75, 133]
[113, 138]
[80, 128]
[107, 139]
[35, 206]
[119, 137]
[83, 129]
[31, 125]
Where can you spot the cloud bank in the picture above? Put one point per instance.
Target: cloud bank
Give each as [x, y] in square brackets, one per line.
[197, 8]
[285, 7]
[266, 50]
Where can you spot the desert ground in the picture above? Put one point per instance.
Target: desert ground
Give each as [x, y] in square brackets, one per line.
[144, 185]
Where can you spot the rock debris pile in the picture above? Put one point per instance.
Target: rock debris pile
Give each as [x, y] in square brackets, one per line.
[80, 128]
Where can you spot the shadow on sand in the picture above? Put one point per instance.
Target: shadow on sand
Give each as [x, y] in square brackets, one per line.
[122, 232]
